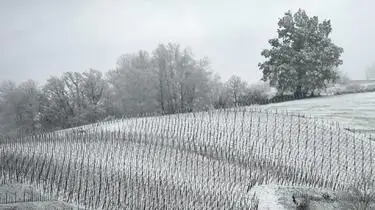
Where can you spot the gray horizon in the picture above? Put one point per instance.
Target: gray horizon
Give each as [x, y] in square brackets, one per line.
[40, 39]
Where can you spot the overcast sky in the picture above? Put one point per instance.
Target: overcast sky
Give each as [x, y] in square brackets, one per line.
[43, 38]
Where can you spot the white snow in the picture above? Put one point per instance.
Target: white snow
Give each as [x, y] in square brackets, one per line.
[303, 143]
[305, 140]
[267, 197]
[353, 110]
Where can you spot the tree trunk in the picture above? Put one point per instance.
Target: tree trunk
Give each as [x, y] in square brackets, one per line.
[298, 93]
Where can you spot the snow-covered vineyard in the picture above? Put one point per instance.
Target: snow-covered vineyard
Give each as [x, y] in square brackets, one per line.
[207, 160]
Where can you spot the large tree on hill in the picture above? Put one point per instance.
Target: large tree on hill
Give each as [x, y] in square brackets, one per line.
[302, 59]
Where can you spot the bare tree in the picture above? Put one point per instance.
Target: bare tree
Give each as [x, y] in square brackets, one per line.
[73, 99]
[237, 89]
[133, 84]
[184, 82]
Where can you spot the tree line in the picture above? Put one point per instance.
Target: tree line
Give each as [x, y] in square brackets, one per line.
[170, 79]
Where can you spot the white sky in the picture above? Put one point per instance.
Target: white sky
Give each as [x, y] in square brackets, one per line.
[43, 38]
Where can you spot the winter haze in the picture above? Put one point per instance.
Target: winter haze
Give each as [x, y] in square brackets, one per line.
[43, 38]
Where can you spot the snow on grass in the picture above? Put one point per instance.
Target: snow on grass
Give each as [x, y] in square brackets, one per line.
[199, 160]
[322, 147]
[353, 110]
[163, 168]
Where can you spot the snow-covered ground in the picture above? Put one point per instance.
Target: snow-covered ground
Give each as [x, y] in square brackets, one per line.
[212, 157]
[353, 110]
[309, 144]
[323, 147]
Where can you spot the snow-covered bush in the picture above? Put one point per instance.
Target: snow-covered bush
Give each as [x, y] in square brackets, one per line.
[339, 89]
[259, 93]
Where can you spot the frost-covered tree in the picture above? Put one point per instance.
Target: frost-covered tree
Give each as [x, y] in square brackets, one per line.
[19, 108]
[302, 59]
[133, 84]
[94, 87]
[58, 108]
[237, 89]
[343, 78]
[183, 81]
[73, 99]
[170, 80]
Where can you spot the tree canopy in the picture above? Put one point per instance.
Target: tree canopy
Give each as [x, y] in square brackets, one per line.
[302, 59]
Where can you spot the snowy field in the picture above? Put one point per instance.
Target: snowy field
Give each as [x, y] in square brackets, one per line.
[312, 145]
[206, 160]
[353, 110]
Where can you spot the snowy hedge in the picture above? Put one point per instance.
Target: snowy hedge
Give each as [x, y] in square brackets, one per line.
[350, 88]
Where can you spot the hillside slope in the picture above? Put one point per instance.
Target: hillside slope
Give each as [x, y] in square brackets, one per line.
[195, 160]
[318, 146]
